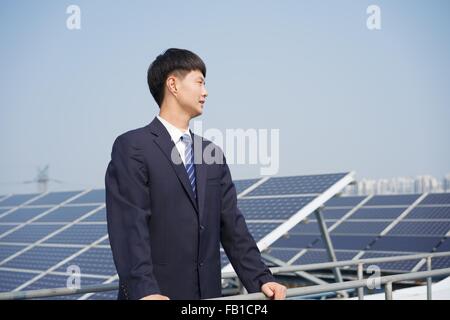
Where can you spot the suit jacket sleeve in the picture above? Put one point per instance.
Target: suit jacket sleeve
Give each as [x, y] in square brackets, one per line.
[237, 241]
[128, 212]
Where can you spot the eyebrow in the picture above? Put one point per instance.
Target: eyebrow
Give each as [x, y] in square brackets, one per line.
[201, 78]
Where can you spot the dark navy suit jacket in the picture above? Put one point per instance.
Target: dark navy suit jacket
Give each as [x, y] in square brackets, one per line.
[163, 239]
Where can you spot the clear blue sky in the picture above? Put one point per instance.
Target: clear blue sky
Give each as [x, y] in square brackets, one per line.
[343, 97]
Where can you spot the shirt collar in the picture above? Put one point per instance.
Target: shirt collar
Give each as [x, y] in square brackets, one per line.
[174, 132]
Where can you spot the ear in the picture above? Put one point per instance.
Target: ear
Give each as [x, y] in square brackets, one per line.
[171, 84]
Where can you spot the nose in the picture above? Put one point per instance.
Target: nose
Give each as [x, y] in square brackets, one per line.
[205, 92]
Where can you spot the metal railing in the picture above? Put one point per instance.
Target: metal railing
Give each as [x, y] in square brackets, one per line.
[386, 280]
[359, 284]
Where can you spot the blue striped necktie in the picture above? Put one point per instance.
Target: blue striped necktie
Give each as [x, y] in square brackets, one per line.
[189, 161]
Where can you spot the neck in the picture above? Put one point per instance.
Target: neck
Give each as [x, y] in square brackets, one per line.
[178, 119]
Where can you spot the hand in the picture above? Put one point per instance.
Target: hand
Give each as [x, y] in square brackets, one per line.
[155, 297]
[274, 290]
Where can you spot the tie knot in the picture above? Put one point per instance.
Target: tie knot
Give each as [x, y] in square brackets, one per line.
[186, 138]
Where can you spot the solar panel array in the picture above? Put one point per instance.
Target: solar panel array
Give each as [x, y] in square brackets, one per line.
[43, 236]
[363, 227]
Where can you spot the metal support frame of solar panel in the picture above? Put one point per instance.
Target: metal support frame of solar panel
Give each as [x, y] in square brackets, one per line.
[77, 220]
[278, 204]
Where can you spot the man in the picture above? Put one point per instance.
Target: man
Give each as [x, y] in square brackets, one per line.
[167, 208]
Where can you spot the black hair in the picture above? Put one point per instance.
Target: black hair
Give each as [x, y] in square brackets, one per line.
[180, 61]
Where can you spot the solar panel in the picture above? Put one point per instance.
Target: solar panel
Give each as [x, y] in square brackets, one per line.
[386, 200]
[93, 196]
[424, 228]
[66, 214]
[333, 213]
[79, 234]
[95, 261]
[353, 227]
[437, 263]
[345, 201]
[274, 208]
[99, 216]
[8, 250]
[429, 213]
[444, 246]
[294, 241]
[321, 256]
[242, 185]
[5, 228]
[53, 198]
[104, 242]
[405, 244]
[259, 230]
[282, 254]
[23, 214]
[436, 198]
[29, 233]
[406, 265]
[40, 258]
[311, 227]
[10, 280]
[297, 185]
[377, 213]
[17, 200]
[347, 242]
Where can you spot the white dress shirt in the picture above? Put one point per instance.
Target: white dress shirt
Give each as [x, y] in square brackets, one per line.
[175, 135]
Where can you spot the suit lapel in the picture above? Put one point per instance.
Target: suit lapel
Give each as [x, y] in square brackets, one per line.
[166, 145]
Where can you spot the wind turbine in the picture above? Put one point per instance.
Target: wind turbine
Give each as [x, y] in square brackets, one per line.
[42, 179]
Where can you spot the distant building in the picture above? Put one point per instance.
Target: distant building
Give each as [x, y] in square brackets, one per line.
[446, 183]
[426, 184]
[399, 185]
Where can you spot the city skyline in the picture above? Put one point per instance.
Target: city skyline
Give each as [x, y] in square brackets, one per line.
[399, 185]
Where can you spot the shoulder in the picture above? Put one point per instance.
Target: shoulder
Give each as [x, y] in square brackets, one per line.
[134, 137]
[131, 143]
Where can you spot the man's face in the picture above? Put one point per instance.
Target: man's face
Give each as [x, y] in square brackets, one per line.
[192, 93]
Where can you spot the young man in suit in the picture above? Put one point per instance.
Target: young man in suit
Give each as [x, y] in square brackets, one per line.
[168, 209]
